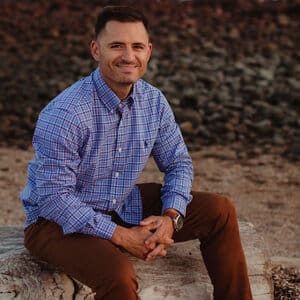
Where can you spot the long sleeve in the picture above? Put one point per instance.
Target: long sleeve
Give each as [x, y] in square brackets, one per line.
[172, 158]
[58, 140]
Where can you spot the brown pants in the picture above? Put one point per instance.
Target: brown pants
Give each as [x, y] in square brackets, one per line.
[100, 265]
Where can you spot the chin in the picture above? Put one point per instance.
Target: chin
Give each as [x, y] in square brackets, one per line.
[129, 80]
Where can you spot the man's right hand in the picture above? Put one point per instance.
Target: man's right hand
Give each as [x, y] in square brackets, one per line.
[133, 239]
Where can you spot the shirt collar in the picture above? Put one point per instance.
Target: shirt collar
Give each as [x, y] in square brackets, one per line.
[106, 94]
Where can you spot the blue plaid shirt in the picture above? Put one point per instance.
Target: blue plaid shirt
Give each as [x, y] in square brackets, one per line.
[90, 149]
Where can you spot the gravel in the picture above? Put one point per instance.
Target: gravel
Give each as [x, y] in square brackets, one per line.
[286, 283]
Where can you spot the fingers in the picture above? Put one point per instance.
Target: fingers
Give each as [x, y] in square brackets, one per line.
[163, 235]
[150, 246]
[148, 220]
[159, 250]
[154, 239]
[151, 223]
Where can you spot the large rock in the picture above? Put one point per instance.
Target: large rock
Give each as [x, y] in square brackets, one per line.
[180, 275]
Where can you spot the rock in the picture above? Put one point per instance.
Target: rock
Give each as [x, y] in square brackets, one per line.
[234, 33]
[187, 128]
[188, 115]
[263, 127]
[189, 98]
[294, 84]
[24, 277]
[283, 20]
[278, 140]
[265, 74]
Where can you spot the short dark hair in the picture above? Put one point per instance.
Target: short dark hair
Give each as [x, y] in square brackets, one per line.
[121, 14]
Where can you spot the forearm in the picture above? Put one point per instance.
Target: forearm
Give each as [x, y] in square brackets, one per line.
[73, 215]
[173, 159]
[119, 236]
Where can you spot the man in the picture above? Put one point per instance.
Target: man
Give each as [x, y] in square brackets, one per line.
[91, 144]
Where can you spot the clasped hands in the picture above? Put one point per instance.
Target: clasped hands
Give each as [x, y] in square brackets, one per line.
[161, 228]
[148, 240]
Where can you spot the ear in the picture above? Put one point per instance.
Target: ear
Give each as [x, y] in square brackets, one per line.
[149, 50]
[95, 51]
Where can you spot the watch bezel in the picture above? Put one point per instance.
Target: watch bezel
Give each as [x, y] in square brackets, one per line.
[178, 222]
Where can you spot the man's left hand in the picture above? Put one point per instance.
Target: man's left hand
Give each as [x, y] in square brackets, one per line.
[161, 238]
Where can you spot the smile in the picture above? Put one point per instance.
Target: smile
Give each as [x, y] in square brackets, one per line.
[127, 66]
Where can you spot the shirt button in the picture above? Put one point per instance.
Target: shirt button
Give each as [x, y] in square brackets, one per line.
[117, 174]
[120, 150]
[120, 105]
[114, 201]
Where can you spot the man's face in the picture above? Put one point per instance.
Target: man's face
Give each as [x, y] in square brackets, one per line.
[122, 51]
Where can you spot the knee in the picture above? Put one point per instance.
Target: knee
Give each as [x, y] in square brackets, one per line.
[224, 210]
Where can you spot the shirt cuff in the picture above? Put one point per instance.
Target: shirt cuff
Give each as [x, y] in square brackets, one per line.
[176, 202]
[100, 226]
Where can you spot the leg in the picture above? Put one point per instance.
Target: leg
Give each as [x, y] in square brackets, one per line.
[212, 219]
[93, 261]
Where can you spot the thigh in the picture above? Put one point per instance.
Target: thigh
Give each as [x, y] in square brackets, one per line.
[88, 259]
[203, 214]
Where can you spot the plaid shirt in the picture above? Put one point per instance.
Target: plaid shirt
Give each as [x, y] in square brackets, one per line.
[90, 149]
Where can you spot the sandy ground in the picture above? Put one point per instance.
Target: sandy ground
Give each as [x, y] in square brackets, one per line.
[265, 190]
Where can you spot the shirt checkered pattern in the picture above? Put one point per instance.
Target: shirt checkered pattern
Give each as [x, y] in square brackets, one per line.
[90, 149]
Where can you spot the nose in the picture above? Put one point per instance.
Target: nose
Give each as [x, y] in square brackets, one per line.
[128, 54]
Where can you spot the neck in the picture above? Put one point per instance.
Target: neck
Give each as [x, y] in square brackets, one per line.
[122, 92]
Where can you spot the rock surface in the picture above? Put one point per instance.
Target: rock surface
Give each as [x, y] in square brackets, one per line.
[181, 275]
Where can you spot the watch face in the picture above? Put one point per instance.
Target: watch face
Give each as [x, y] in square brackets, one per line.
[178, 222]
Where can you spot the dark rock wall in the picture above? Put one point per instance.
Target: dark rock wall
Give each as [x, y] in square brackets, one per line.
[230, 69]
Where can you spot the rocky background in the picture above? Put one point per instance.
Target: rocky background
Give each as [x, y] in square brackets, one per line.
[230, 69]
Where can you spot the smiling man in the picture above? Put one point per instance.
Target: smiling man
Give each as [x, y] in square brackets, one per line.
[91, 142]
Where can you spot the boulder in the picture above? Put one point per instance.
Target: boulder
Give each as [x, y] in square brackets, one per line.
[180, 275]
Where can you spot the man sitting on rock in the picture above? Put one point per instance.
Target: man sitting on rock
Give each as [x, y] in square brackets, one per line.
[91, 142]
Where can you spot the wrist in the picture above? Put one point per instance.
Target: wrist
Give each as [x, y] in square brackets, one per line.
[170, 220]
[118, 236]
[171, 212]
[176, 218]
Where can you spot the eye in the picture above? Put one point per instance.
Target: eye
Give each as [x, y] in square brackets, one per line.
[115, 46]
[138, 47]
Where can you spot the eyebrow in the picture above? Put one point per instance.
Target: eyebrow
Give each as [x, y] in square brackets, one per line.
[122, 43]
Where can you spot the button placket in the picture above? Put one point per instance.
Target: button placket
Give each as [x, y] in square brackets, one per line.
[120, 142]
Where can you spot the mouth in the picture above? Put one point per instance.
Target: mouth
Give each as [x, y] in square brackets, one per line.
[127, 68]
[127, 65]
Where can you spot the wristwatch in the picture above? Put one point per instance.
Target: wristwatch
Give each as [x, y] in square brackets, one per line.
[176, 218]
